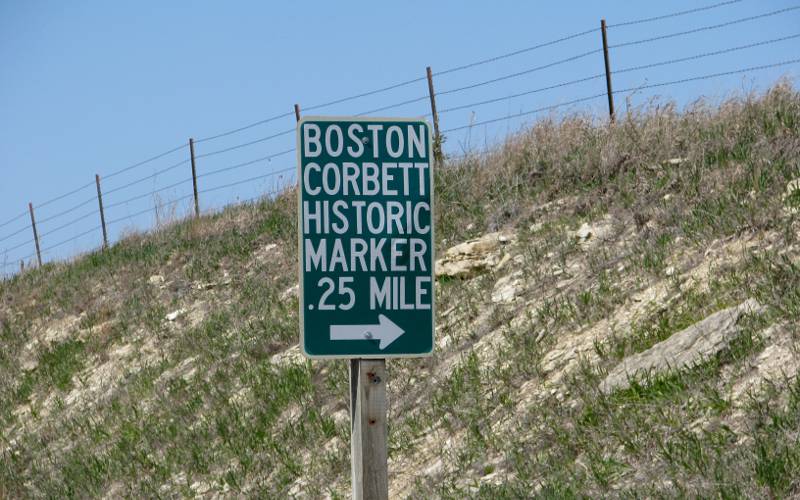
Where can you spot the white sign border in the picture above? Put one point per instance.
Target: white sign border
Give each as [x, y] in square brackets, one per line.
[301, 295]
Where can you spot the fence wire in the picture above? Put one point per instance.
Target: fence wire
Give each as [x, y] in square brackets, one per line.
[623, 91]
[705, 28]
[674, 14]
[394, 86]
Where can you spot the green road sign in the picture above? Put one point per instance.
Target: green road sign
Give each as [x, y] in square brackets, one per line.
[365, 237]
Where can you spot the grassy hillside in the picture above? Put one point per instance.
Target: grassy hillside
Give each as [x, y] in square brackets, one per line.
[167, 366]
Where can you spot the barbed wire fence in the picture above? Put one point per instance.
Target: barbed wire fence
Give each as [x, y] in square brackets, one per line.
[28, 239]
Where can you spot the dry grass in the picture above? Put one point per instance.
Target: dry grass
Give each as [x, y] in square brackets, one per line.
[215, 401]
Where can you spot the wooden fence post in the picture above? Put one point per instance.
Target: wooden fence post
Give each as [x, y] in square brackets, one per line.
[608, 71]
[369, 430]
[102, 213]
[297, 111]
[437, 139]
[194, 179]
[35, 235]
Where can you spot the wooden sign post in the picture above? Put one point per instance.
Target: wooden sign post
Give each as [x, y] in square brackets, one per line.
[365, 246]
[369, 429]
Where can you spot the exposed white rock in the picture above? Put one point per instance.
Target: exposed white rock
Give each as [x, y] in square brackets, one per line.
[58, 331]
[298, 487]
[490, 344]
[584, 232]
[508, 288]
[341, 418]
[778, 363]
[208, 285]
[434, 468]
[792, 196]
[179, 478]
[570, 349]
[474, 256]
[292, 291]
[725, 252]
[263, 254]
[156, 279]
[290, 356]
[196, 313]
[186, 370]
[442, 341]
[99, 381]
[28, 360]
[333, 446]
[175, 314]
[242, 397]
[200, 487]
[685, 348]
[202, 285]
[61, 330]
[590, 235]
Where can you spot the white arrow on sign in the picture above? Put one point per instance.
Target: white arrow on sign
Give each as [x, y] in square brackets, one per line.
[386, 331]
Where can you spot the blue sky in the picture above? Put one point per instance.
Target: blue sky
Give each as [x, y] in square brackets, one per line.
[93, 87]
